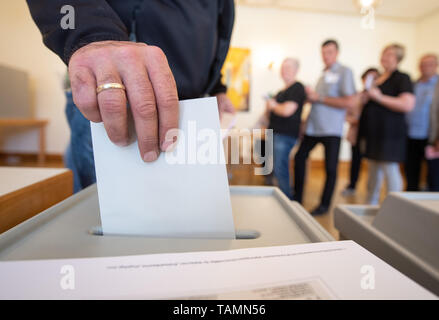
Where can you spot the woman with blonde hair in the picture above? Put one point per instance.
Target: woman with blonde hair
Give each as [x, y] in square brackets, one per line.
[383, 128]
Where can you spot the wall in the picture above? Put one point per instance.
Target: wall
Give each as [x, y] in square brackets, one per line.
[426, 35]
[22, 48]
[273, 34]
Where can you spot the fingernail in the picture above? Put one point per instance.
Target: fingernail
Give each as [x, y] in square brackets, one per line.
[122, 144]
[150, 156]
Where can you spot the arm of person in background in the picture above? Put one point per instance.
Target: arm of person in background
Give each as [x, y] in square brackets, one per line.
[97, 51]
[348, 98]
[404, 102]
[352, 120]
[345, 102]
[286, 109]
[295, 97]
[353, 115]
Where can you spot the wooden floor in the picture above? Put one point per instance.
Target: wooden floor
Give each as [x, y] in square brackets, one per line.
[244, 175]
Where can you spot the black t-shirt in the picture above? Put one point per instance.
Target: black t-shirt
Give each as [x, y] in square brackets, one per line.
[289, 125]
[383, 131]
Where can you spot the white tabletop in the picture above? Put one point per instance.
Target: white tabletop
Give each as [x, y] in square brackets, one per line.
[15, 178]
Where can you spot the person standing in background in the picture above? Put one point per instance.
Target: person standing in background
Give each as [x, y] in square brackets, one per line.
[334, 94]
[418, 120]
[433, 159]
[383, 128]
[353, 118]
[285, 112]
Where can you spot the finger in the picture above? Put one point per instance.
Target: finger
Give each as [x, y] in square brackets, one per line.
[83, 83]
[142, 102]
[112, 105]
[165, 91]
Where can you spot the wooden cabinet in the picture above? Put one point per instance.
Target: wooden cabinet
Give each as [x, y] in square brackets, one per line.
[25, 192]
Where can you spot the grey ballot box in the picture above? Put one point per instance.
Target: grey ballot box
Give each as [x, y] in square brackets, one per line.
[263, 216]
[404, 232]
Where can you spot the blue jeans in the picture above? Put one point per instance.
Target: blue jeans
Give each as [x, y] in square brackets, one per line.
[79, 154]
[283, 145]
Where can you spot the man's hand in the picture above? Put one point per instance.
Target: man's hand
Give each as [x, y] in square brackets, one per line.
[224, 104]
[312, 95]
[150, 90]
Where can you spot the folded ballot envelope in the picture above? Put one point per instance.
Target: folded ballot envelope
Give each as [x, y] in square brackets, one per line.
[184, 194]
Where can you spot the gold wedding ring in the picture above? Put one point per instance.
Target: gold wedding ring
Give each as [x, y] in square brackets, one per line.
[107, 86]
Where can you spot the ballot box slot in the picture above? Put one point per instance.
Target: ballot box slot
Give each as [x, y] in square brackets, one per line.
[240, 234]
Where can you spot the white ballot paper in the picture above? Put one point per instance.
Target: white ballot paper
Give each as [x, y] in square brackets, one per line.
[185, 193]
[331, 270]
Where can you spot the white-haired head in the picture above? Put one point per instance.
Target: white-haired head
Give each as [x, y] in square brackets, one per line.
[289, 69]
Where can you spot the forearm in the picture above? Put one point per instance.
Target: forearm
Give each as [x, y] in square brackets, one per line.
[352, 120]
[286, 109]
[398, 104]
[95, 21]
[348, 102]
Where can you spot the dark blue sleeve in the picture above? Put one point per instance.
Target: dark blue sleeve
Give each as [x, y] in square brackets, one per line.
[226, 21]
[95, 20]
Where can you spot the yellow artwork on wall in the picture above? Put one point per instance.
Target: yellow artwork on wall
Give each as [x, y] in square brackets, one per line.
[236, 76]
